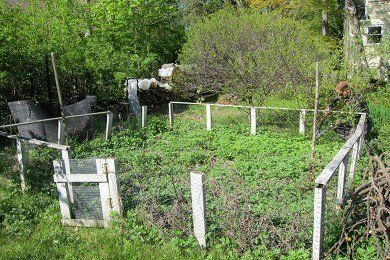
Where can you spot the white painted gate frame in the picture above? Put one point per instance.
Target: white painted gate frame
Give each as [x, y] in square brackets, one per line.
[108, 186]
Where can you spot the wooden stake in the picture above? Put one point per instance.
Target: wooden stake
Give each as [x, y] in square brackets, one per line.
[313, 140]
[53, 60]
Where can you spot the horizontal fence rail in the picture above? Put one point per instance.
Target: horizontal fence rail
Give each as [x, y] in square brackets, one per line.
[257, 107]
[55, 119]
[253, 109]
[351, 149]
[62, 130]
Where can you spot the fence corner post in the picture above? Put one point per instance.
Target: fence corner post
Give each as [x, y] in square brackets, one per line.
[253, 121]
[170, 111]
[318, 227]
[21, 152]
[144, 115]
[208, 117]
[302, 116]
[110, 118]
[198, 207]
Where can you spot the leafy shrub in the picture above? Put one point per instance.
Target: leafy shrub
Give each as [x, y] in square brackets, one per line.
[250, 55]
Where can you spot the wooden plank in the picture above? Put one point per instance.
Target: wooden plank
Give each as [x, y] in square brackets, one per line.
[329, 170]
[354, 158]
[208, 117]
[253, 121]
[21, 153]
[113, 183]
[341, 178]
[171, 116]
[318, 228]
[65, 158]
[110, 118]
[78, 178]
[302, 116]
[84, 223]
[35, 141]
[144, 115]
[198, 207]
[63, 194]
[102, 168]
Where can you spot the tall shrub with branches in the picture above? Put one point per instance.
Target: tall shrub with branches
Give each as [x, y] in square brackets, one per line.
[250, 55]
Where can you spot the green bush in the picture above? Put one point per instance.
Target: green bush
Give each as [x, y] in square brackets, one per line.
[250, 55]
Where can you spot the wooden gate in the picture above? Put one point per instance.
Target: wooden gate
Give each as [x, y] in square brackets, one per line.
[88, 191]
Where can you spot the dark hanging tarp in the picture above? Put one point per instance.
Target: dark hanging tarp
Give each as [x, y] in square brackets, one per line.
[28, 110]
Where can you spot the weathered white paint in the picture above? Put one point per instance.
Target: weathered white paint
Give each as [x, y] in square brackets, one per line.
[21, 153]
[302, 115]
[104, 188]
[198, 207]
[264, 108]
[329, 170]
[208, 117]
[144, 115]
[63, 194]
[77, 178]
[170, 113]
[253, 121]
[35, 141]
[354, 158]
[341, 178]
[319, 214]
[65, 158]
[110, 118]
[113, 183]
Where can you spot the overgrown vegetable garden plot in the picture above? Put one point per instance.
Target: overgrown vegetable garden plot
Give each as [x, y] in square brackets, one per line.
[258, 188]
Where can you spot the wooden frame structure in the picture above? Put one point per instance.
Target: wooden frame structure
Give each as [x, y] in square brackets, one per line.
[108, 184]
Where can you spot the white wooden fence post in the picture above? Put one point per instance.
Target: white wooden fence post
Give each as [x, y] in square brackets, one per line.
[110, 118]
[66, 159]
[102, 168]
[63, 193]
[319, 214]
[253, 121]
[208, 117]
[354, 158]
[170, 106]
[61, 131]
[341, 178]
[113, 183]
[302, 116]
[20, 150]
[361, 143]
[198, 207]
[144, 115]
